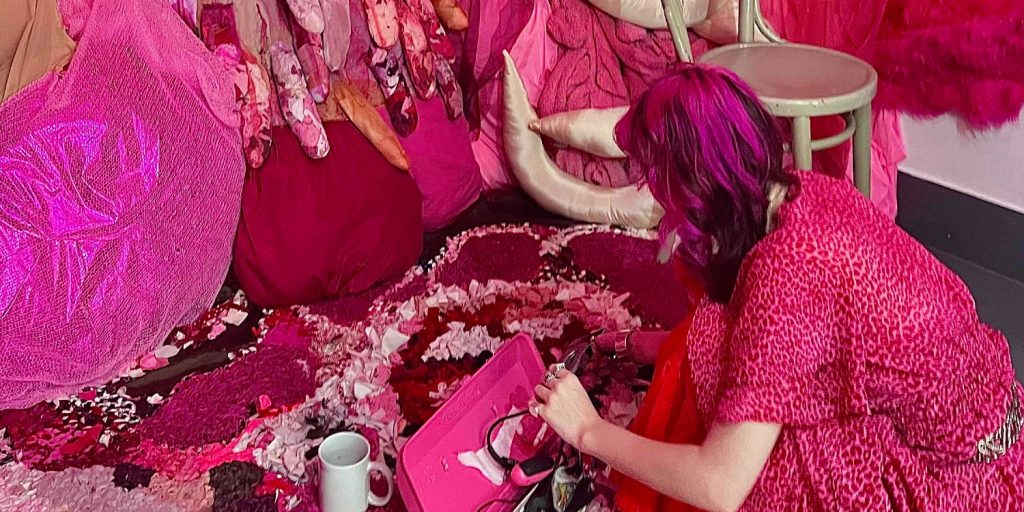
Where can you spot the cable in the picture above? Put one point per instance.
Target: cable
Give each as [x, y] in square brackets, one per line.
[505, 462]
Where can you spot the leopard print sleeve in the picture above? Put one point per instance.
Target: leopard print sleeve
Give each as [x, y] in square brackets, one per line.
[785, 359]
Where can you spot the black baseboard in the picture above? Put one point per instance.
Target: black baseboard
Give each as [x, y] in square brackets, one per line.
[963, 225]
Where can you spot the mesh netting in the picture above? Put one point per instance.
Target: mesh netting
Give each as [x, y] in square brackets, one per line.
[120, 182]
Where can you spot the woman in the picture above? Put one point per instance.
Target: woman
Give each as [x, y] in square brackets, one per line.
[832, 364]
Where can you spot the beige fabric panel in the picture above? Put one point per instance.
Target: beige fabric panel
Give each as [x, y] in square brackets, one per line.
[32, 43]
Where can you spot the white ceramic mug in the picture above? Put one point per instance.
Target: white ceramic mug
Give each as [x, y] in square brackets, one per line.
[345, 474]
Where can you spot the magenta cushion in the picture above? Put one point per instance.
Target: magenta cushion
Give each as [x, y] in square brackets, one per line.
[312, 230]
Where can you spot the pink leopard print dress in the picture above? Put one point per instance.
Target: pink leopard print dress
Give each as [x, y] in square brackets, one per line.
[870, 352]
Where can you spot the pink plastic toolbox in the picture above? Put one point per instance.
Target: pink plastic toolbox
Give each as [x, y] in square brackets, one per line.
[430, 477]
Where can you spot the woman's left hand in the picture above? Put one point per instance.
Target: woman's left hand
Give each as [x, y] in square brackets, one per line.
[564, 404]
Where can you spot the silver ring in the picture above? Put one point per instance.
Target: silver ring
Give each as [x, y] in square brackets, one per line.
[559, 367]
[549, 376]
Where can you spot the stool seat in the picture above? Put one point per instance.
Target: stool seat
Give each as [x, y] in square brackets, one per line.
[800, 80]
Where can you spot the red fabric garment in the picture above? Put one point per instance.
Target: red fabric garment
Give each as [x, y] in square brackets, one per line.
[312, 230]
[869, 352]
[669, 414]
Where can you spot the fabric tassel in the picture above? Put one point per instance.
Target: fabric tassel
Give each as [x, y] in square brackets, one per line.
[418, 57]
[382, 20]
[311, 58]
[436, 36]
[451, 93]
[451, 15]
[252, 85]
[308, 14]
[297, 105]
[367, 120]
[387, 69]
[336, 38]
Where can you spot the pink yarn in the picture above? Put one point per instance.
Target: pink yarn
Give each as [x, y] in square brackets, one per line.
[121, 180]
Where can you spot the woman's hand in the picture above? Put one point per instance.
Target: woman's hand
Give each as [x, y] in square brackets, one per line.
[641, 346]
[564, 404]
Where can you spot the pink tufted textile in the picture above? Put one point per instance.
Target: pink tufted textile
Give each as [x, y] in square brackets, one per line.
[120, 181]
[870, 353]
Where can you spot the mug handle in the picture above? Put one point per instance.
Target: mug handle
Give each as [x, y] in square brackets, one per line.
[380, 501]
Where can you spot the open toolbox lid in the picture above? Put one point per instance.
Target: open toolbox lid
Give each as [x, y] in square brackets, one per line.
[430, 477]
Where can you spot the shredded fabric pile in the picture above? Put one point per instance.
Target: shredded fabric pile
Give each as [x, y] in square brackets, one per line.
[227, 413]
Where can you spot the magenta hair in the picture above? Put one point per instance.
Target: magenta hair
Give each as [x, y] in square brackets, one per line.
[710, 151]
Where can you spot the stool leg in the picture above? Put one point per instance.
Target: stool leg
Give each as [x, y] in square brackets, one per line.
[802, 143]
[862, 149]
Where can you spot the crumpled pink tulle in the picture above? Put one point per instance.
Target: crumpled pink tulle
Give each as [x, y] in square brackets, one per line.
[120, 182]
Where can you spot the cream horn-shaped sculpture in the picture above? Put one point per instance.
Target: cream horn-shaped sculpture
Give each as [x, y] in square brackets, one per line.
[591, 130]
[651, 13]
[540, 177]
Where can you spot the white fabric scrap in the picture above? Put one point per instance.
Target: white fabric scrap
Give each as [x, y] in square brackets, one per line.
[392, 341]
[481, 459]
[235, 316]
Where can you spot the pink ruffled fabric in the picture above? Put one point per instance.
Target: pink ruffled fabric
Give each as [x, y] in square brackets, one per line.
[121, 184]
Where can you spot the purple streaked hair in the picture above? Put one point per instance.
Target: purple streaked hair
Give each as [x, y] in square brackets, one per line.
[710, 151]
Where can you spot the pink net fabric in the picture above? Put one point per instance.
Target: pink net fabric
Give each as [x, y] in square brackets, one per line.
[120, 183]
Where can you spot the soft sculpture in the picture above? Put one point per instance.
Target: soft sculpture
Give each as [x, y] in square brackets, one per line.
[120, 181]
[591, 130]
[651, 13]
[603, 63]
[629, 206]
[313, 230]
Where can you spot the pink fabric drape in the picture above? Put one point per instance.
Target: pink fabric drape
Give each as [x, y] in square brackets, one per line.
[535, 54]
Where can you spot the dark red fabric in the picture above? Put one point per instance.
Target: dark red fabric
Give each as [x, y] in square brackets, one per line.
[669, 413]
[312, 230]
